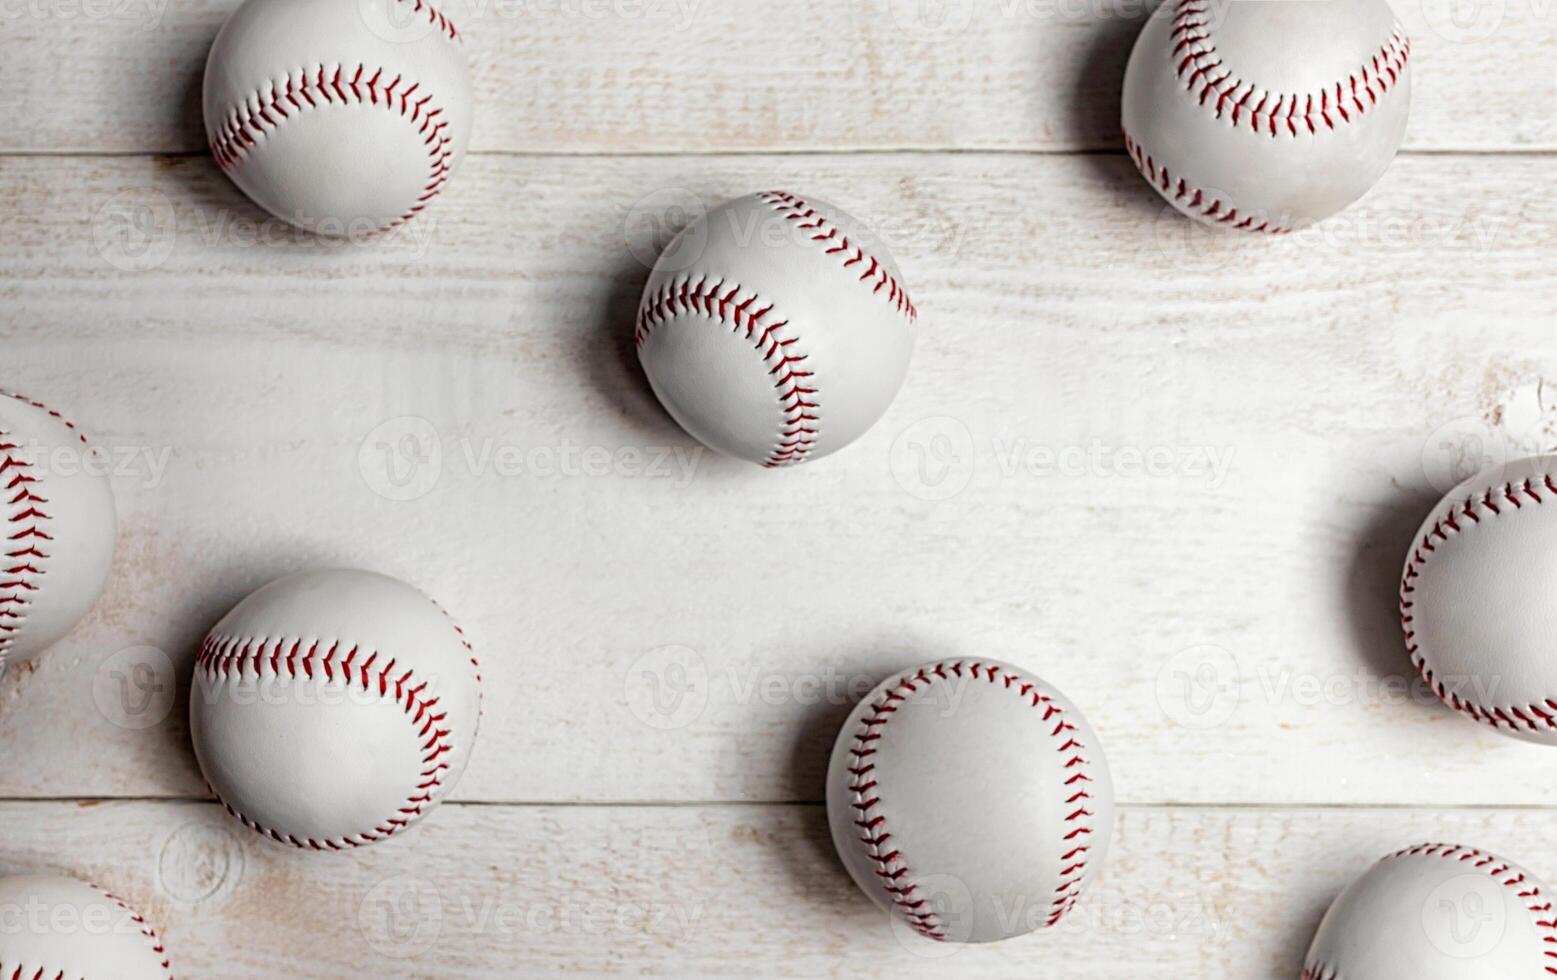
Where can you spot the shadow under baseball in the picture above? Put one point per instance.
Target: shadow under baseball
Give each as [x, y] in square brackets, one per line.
[1372, 583]
[611, 355]
[1092, 123]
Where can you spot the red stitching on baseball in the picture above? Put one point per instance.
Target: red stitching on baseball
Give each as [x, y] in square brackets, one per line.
[435, 18]
[15, 971]
[265, 111]
[52, 413]
[219, 657]
[145, 927]
[26, 533]
[872, 270]
[729, 304]
[1193, 197]
[892, 868]
[1461, 517]
[1542, 913]
[1277, 114]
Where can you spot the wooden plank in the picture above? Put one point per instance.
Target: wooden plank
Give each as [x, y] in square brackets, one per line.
[1298, 399]
[483, 891]
[615, 76]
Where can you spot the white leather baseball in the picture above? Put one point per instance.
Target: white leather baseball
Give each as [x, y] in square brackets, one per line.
[1438, 912]
[1267, 115]
[971, 800]
[334, 708]
[1476, 599]
[340, 116]
[57, 516]
[783, 336]
[64, 929]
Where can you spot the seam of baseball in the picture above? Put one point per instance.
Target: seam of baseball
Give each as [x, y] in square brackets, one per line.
[26, 529]
[1510, 498]
[221, 656]
[267, 108]
[1194, 198]
[1320, 972]
[835, 242]
[775, 342]
[146, 930]
[890, 865]
[1542, 914]
[1209, 81]
[436, 18]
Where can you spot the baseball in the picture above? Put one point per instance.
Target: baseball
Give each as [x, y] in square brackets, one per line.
[1476, 599]
[1437, 912]
[332, 709]
[971, 800]
[59, 528]
[64, 928]
[1266, 116]
[776, 329]
[340, 116]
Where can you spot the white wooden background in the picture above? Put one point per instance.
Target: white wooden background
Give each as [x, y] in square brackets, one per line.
[669, 649]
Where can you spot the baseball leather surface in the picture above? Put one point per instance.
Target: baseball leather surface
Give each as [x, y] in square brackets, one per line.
[63, 929]
[59, 527]
[1267, 116]
[1476, 599]
[1438, 912]
[334, 708]
[340, 116]
[971, 800]
[775, 329]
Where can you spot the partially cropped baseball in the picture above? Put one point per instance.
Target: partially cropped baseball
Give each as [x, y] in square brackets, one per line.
[1438, 912]
[1267, 115]
[54, 928]
[57, 527]
[1476, 599]
[343, 117]
[970, 800]
[776, 329]
[333, 709]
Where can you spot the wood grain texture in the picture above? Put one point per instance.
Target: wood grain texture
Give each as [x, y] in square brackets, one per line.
[1173, 473]
[678, 76]
[482, 891]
